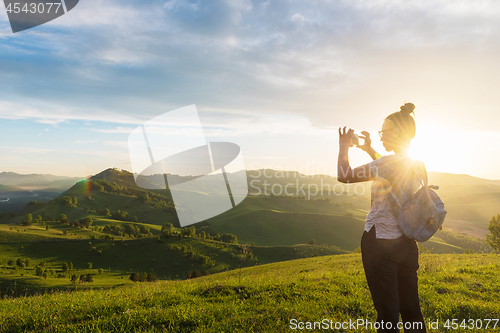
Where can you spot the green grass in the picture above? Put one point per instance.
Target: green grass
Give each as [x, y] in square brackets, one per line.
[120, 258]
[37, 232]
[283, 221]
[259, 299]
[113, 202]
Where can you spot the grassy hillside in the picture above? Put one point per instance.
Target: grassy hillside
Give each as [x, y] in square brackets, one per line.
[283, 221]
[263, 298]
[168, 258]
[18, 233]
[335, 220]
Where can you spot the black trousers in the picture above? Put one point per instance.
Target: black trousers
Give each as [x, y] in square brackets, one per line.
[391, 271]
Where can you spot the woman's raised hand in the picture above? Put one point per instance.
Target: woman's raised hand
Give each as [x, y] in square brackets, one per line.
[345, 138]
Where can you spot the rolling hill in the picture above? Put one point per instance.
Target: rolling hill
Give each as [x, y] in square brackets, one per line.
[331, 218]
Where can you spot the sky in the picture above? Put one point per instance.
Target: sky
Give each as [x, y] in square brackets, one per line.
[275, 77]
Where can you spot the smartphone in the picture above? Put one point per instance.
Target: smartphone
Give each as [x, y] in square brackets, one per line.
[355, 140]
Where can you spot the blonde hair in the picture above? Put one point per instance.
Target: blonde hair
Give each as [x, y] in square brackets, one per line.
[403, 120]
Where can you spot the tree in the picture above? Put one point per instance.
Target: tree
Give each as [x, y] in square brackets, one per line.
[144, 198]
[89, 278]
[65, 267]
[145, 230]
[134, 277]
[89, 265]
[87, 222]
[228, 238]
[39, 270]
[129, 229]
[188, 231]
[70, 265]
[74, 278]
[20, 263]
[47, 227]
[313, 242]
[151, 277]
[63, 218]
[193, 274]
[67, 201]
[120, 215]
[139, 277]
[27, 262]
[28, 220]
[493, 238]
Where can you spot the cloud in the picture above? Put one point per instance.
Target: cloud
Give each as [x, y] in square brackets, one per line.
[297, 17]
[116, 130]
[51, 121]
[329, 62]
[121, 144]
[27, 150]
[45, 130]
[47, 113]
[86, 141]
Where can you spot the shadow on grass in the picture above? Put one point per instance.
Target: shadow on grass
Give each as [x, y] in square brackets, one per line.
[28, 286]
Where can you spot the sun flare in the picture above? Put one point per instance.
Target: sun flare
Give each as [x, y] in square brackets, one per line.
[438, 151]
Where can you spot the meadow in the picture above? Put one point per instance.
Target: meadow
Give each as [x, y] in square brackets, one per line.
[168, 258]
[264, 298]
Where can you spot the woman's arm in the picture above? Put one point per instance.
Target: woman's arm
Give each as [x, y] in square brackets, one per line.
[344, 172]
[368, 146]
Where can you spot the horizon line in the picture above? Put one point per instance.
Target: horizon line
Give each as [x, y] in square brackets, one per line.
[276, 170]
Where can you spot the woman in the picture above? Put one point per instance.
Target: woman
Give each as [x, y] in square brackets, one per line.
[390, 259]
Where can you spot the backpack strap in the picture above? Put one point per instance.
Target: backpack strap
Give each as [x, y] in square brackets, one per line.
[424, 182]
[392, 198]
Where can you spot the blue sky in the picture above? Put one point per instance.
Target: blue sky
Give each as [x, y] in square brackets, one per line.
[276, 77]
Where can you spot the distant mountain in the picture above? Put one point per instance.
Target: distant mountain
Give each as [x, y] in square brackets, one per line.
[441, 178]
[16, 190]
[12, 191]
[37, 180]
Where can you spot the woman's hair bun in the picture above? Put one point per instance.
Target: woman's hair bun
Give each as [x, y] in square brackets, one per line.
[407, 108]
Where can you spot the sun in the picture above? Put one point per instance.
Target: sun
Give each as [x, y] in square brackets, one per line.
[438, 151]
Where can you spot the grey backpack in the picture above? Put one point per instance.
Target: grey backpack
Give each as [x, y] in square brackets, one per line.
[421, 216]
